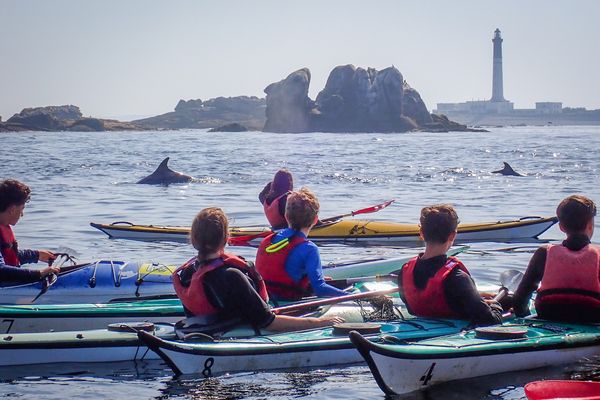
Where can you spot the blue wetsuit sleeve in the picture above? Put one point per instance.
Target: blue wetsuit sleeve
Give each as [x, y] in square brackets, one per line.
[305, 260]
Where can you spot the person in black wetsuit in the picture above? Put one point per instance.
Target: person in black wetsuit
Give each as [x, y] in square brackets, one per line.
[273, 198]
[568, 274]
[216, 286]
[437, 286]
[13, 197]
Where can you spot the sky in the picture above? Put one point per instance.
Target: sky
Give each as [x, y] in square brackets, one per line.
[135, 58]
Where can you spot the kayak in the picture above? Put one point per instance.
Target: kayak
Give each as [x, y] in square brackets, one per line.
[347, 231]
[99, 345]
[118, 342]
[97, 282]
[563, 389]
[66, 317]
[114, 281]
[310, 348]
[32, 318]
[518, 345]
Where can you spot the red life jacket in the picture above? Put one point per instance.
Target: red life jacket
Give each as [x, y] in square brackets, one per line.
[194, 298]
[570, 277]
[8, 245]
[272, 212]
[431, 301]
[270, 263]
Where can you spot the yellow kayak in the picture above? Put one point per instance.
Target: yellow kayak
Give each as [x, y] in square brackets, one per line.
[347, 231]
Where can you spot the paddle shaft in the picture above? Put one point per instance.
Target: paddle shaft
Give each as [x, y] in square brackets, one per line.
[333, 300]
[372, 278]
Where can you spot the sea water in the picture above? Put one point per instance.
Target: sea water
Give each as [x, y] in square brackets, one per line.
[77, 178]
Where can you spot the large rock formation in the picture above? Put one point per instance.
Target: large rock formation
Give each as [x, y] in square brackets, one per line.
[353, 100]
[61, 118]
[198, 114]
[288, 104]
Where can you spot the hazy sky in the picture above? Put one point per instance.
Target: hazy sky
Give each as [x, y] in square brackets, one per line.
[138, 58]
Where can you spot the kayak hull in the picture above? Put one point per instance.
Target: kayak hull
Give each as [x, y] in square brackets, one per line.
[349, 231]
[400, 369]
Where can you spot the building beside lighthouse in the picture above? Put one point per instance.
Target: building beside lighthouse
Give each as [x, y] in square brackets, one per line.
[497, 109]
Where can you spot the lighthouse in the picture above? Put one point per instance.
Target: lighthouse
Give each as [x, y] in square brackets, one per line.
[497, 85]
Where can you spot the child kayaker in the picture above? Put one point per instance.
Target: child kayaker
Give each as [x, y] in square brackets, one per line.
[216, 286]
[13, 197]
[437, 286]
[287, 260]
[273, 198]
[568, 274]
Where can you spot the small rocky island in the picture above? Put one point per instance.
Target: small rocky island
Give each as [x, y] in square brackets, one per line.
[62, 118]
[353, 100]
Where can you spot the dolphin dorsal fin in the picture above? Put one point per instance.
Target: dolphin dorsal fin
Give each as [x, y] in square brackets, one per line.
[163, 166]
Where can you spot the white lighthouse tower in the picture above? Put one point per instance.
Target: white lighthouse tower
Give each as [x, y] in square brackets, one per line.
[497, 84]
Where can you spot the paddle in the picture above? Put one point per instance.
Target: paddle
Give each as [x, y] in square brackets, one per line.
[246, 239]
[332, 300]
[366, 210]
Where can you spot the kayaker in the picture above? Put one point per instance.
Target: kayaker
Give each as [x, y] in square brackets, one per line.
[288, 261]
[216, 286]
[273, 198]
[13, 197]
[437, 286]
[568, 274]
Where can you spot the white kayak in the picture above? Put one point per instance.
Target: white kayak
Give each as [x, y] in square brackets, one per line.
[119, 343]
[518, 345]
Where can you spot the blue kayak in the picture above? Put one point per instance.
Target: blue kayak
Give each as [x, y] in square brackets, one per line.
[98, 282]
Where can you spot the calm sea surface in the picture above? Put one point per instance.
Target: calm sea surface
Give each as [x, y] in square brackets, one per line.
[78, 178]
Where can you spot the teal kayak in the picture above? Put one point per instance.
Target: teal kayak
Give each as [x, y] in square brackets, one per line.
[517, 345]
[64, 317]
[310, 348]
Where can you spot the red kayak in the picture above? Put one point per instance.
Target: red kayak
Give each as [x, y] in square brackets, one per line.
[563, 390]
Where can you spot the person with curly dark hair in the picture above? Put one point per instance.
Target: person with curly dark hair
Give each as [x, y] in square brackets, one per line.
[13, 197]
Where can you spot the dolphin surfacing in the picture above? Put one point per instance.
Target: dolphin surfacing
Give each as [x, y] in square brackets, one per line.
[507, 170]
[163, 175]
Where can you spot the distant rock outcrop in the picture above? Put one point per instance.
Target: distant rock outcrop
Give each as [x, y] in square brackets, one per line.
[353, 100]
[235, 127]
[212, 113]
[61, 118]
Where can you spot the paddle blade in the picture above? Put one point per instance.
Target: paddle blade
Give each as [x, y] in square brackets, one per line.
[246, 239]
[373, 209]
[510, 279]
